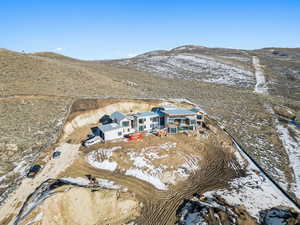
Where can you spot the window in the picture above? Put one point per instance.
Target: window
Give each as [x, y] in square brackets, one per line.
[171, 120]
[182, 128]
[172, 130]
[193, 122]
[120, 133]
[141, 120]
[125, 124]
[154, 119]
[141, 128]
[128, 129]
[199, 117]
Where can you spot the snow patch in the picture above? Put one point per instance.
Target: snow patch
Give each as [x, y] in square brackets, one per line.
[159, 175]
[140, 174]
[77, 180]
[108, 183]
[292, 147]
[101, 159]
[254, 191]
[85, 182]
[195, 67]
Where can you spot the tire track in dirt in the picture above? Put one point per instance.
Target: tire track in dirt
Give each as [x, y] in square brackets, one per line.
[159, 207]
[162, 210]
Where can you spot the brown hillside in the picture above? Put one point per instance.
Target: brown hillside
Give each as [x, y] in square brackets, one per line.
[35, 74]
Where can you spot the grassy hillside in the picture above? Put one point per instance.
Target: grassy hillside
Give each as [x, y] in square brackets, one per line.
[45, 74]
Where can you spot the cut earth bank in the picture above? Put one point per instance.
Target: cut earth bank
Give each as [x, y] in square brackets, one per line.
[144, 182]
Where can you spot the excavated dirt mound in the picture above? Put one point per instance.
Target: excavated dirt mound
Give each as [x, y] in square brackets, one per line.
[81, 206]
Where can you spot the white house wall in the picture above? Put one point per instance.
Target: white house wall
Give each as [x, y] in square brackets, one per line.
[147, 123]
[113, 134]
[125, 129]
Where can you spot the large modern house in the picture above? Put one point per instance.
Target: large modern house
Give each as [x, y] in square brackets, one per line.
[174, 120]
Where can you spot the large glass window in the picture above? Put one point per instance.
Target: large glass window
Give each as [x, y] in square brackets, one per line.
[125, 124]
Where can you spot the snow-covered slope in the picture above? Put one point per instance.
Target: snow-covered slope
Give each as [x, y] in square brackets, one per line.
[290, 137]
[255, 193]
[198, 67]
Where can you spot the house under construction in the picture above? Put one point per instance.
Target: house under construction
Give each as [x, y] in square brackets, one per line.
[173, 120]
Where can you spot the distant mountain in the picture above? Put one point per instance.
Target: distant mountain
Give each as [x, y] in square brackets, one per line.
[232, 67]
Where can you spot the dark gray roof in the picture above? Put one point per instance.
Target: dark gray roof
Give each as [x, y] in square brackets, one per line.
[178, 112]
[118, 116]
[146, 114]
[109, 127]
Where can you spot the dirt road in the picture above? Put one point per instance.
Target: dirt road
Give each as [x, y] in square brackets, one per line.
[53, 168]
[261, 85]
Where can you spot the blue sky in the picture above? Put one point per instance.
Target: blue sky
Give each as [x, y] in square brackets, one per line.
[115, 29]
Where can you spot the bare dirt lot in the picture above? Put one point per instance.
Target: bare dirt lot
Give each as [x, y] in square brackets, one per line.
[160, 205]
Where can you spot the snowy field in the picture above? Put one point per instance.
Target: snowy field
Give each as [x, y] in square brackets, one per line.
[292, 147]
[163, 175]
[94, 159]
[255, 191]
[195, 67]
[141, 164]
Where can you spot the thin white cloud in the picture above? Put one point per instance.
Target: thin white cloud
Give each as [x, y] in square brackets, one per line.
[58, 49]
